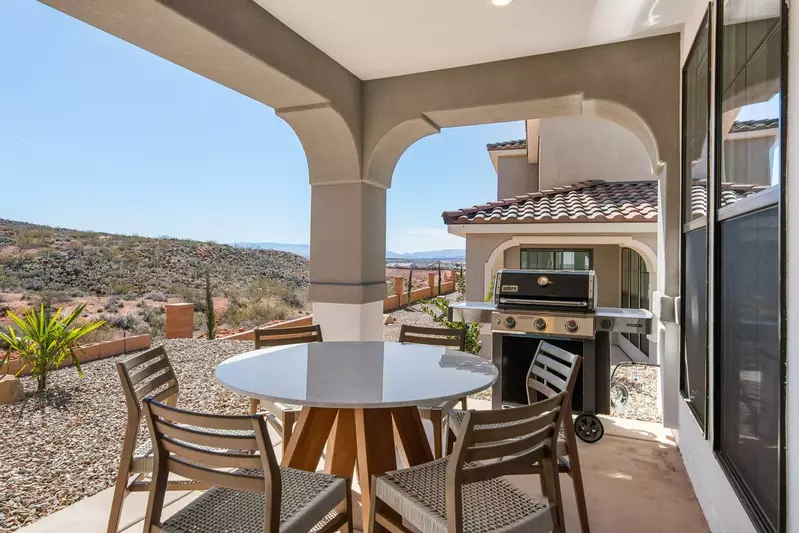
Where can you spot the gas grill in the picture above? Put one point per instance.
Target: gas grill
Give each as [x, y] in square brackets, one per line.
[561, 308]
[547, 302]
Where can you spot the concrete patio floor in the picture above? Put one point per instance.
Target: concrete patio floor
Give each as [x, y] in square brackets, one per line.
[634, 478]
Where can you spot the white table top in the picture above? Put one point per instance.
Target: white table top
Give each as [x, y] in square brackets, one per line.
[356, 374]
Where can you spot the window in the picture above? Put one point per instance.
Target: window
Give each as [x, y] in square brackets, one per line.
[534, 259]
[634, 291]
[695, 172]
[749, 356]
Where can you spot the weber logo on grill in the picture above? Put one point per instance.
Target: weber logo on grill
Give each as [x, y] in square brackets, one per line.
[509, 288]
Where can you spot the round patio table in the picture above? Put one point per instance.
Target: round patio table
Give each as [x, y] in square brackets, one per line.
[362, 396]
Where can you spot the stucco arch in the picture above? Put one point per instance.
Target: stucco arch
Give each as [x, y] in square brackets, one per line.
[379, 164]
[631, 121]
[644, 250]
[329, 145]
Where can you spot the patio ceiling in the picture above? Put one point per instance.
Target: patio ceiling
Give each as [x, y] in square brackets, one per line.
[381, 39]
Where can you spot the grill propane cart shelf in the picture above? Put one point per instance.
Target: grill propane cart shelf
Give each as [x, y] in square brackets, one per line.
[560, 307]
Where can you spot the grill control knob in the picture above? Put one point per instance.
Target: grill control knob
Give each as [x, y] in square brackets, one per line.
[572, 326]
[540, 324]
[510, 322]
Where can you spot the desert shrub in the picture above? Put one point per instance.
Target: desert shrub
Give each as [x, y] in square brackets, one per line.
[156, 296]
[153, 317]
[49, 299]
[251, 314]
[113, 304]
[122, 287]
[101, 334]
[128, 322]
[32, 284]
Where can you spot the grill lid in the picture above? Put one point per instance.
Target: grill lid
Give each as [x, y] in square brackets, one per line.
[545, 289]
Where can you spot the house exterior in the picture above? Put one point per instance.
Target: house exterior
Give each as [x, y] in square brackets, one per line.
[676, 75]
[577, 193]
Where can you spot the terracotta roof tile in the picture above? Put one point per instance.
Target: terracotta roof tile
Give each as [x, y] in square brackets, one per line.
[730, 193]
[508, 145]
[591, 201]
[742, 126]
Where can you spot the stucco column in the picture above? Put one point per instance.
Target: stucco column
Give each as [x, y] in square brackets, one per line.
[663, 300]
[348, 250]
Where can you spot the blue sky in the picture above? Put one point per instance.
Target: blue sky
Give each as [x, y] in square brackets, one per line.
[97, 134]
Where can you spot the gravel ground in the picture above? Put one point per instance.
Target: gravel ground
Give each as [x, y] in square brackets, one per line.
[642, 384]
[64, 445]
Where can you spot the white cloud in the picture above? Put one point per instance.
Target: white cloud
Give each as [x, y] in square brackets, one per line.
[421, 239]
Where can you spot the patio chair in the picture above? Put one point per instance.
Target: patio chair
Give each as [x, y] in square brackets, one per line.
[146, 375]
[553, 371]
[434, 411]
[465, 492]
[283, 415]
[250, 493]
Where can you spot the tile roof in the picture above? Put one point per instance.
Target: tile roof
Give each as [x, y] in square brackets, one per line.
[592, 201]
[742, 126]
[508, 145]
[588, 201]
[730, 193]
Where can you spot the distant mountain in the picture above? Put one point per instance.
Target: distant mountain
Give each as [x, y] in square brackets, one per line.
[305, 250]
[299, 249]
[451, 253]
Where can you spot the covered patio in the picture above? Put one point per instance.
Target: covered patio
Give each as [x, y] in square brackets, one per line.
[360, 82]
[634, 479]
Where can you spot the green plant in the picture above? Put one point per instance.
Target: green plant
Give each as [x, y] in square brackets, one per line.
[47, 340]
[410, 284]
[210, 320]
[460, 286]
[438, 308]
[490, 294]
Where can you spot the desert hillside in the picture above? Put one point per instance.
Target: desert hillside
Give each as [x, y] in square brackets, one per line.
[121, 275]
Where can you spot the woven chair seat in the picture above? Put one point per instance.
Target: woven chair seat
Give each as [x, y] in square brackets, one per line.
[306, 501]
[419, 495]
[456, 417]
[444, 406]
[143, 453]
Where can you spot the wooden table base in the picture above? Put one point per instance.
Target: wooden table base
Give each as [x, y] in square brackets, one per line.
[362, 436]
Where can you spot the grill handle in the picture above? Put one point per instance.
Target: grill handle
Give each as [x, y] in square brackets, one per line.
[554, 303]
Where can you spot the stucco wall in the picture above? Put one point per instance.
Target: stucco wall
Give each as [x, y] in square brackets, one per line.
[515, 176]
[606, 265]
[478, 250]
[579, 148]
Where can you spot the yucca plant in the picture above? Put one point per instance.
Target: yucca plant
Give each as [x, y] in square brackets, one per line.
[45, 341]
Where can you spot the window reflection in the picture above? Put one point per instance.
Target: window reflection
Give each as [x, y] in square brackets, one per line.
[695, 129]
[750, 124]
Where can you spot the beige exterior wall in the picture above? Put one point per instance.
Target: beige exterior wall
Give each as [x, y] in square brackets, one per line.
[607, 266]
[515, 176]
[579, 148]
